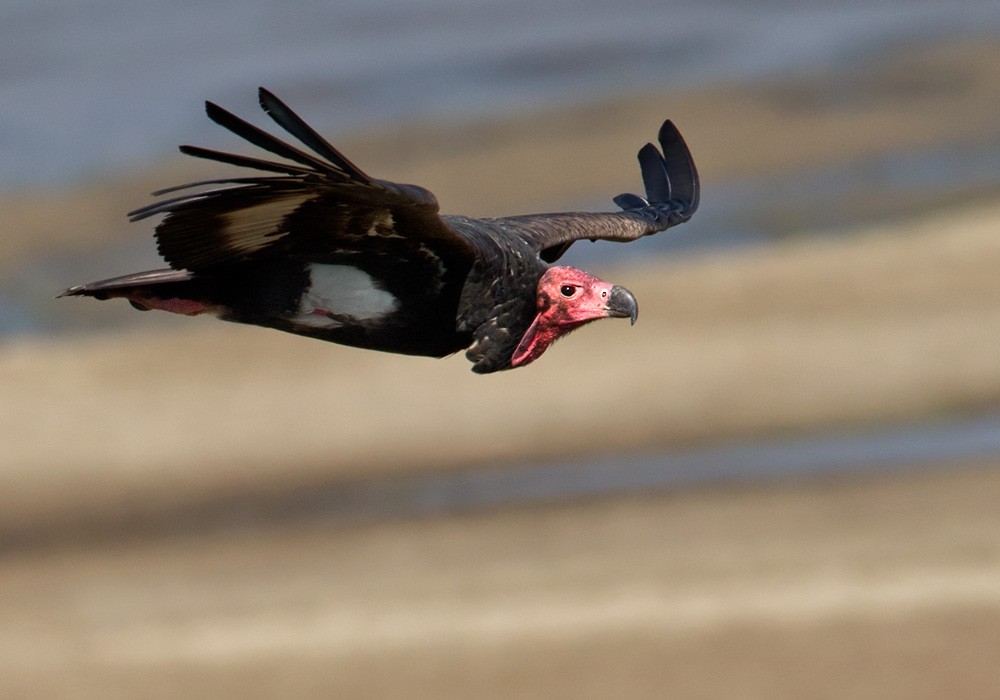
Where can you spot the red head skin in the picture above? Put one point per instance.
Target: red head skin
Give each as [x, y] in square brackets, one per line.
[568, 298]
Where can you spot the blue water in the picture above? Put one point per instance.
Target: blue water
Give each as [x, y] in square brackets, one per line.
[95, 85]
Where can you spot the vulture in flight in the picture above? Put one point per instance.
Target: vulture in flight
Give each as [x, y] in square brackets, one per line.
[317, 247]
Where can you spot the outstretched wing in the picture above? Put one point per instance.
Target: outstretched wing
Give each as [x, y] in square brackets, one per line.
[319, 203]
[671, 182]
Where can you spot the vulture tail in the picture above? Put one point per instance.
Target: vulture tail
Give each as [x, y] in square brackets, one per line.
[176, 291]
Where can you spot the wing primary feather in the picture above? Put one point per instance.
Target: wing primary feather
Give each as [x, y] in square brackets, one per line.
[160, 207]
[254, 180]
[654, 174]
[166, 205]
[244, 161]
[679, 165]
[268, 142]
[628, 200]
[297, 127]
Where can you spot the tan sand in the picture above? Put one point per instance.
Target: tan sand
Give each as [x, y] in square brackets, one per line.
[884, 324]
[891, 323]
[875, 587]
[878, 587]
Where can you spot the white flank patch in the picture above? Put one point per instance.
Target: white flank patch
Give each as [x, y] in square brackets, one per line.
[252, 228]
[342, 290]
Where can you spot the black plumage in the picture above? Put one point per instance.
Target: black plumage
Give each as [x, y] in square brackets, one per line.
[317, 247]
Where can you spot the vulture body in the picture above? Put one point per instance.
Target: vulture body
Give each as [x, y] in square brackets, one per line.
[315, 246]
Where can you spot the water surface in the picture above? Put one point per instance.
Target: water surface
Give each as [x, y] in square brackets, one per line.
[90, 87]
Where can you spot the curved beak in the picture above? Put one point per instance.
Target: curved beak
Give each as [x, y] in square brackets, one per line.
[622, 304]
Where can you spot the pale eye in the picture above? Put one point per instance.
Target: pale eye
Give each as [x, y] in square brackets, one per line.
[567, 290]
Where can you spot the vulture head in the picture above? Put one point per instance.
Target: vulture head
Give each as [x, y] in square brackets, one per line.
[567, 298]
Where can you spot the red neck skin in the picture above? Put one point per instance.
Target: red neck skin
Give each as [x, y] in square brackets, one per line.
[543, 331]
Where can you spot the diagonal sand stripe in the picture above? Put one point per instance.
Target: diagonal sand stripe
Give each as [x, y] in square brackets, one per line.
[645, 609]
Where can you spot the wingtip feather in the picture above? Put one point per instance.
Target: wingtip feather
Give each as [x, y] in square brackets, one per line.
[216, 113]
[285, 117]
[655, 177]
[668, 134]
[679, 164]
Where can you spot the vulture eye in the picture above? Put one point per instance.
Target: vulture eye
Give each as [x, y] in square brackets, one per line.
[567, 290]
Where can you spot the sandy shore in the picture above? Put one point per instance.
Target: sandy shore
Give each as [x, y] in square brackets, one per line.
[859, 587]
[888, 324]
[852, 588]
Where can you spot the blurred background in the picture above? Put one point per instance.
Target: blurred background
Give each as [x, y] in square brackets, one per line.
[781, 483]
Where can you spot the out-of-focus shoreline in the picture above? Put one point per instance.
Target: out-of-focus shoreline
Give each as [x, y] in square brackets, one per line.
[116, 444]
[845, 585]
[942, 95]
[891, 323]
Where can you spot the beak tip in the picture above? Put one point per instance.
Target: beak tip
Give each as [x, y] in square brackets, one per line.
[623, 303]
